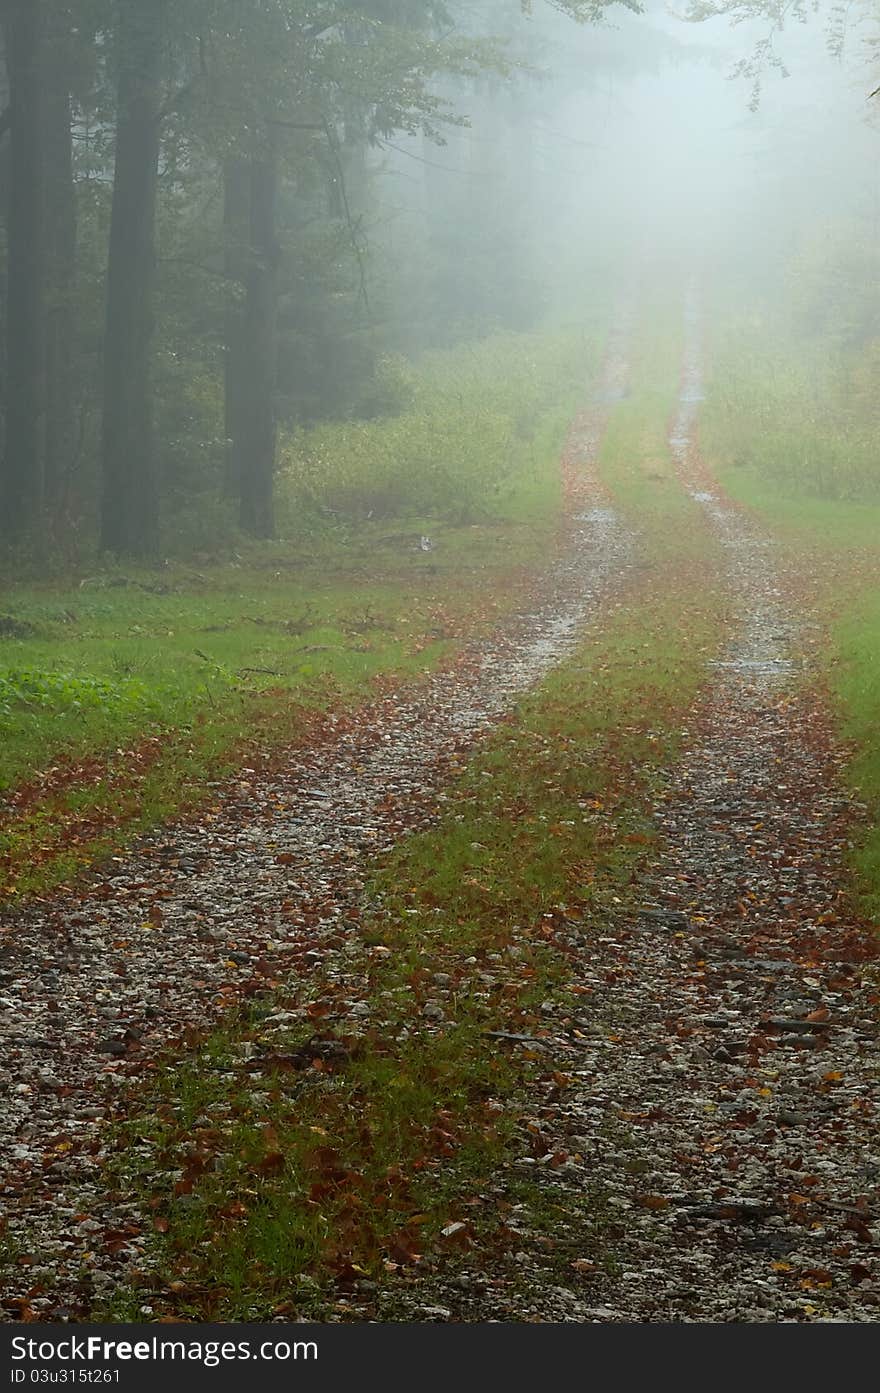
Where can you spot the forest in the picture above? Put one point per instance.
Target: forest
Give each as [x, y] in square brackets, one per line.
[439, 664]
[190, 260]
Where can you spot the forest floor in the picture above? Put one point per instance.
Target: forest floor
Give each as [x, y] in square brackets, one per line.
[532, 990]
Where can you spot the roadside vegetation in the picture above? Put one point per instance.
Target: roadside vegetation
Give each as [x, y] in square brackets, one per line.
[459, 439]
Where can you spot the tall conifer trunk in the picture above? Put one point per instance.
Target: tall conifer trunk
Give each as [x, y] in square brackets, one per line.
[254, 447]
[21, 483]
[130, 507]
[237, 235]
[60, 223]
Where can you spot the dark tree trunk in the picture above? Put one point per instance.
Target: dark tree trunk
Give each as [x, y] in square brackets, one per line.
[348, 176]
[21, 496]
[254, 445]
[60, 225]
[237, 233]
[5, 176]
[130, 499]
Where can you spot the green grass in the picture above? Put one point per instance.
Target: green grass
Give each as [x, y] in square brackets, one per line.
[160, 659]
[793, 435]
[855, 674]
[123, 704]
[824, 524]
[274, 1193]
[799, 412]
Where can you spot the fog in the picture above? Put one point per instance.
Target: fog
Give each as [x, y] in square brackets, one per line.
[301, 210]
[648, 139]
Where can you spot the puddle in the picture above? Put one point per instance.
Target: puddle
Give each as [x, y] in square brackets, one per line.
[756, 664]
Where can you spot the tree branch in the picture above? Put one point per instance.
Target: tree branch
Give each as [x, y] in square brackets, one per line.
[333, 142]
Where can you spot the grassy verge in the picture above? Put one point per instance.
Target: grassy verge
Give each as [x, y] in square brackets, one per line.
[303, 1160]
[121, 725]
[856, 683]
[124, 693]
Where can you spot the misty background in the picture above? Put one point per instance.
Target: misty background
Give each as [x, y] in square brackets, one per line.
[331, 198]
[643, 142]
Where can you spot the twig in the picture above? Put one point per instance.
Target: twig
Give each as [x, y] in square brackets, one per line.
[517, 1039]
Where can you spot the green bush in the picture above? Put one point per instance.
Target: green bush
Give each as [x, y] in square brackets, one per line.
[62, 692]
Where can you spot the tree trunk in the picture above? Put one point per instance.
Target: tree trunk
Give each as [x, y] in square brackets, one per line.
[21, 495]
[5, 177]
[130, 501]
[348, 172]
[255, 443]
[60, 222]
[236, 231]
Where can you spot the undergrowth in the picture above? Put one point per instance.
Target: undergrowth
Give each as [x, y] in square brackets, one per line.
[467, 445]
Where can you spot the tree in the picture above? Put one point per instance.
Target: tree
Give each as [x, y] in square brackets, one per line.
[841, 22]
[236, 242]
[253, 406]
[21, 497]
[61, 234]
[319, 91]
[265, 116]
[130, 498]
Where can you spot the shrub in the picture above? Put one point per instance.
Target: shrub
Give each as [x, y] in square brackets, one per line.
[61, 692]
